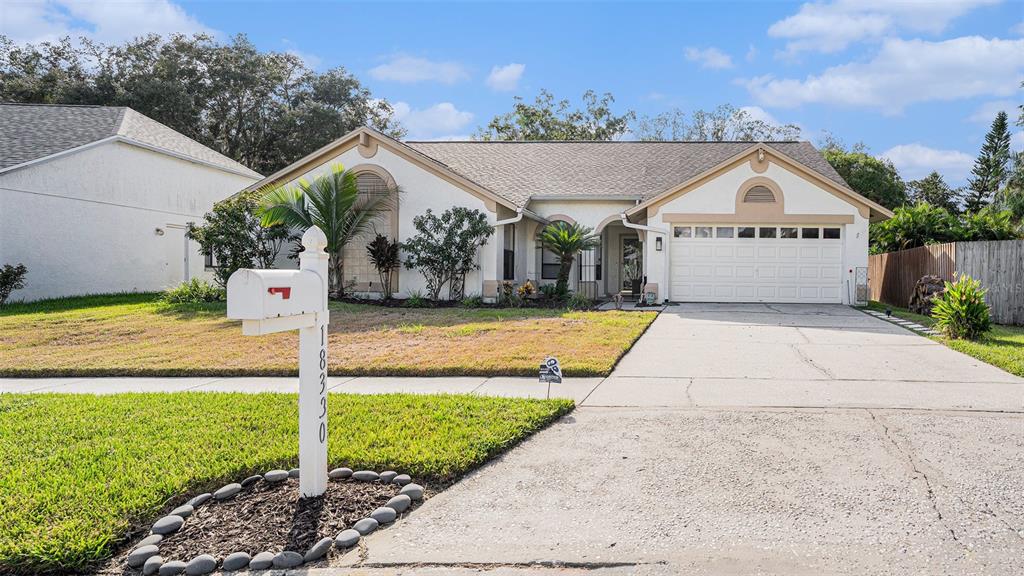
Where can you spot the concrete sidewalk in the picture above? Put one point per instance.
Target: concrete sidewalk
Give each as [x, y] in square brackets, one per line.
[575, 388]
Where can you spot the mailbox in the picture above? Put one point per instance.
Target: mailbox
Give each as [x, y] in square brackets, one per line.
[275, 300]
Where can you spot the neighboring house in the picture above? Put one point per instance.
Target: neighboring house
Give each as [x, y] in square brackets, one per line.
[97, 199]
[711, 221]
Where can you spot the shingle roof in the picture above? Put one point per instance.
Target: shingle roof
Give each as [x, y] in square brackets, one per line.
[519, 170]
[32, 131]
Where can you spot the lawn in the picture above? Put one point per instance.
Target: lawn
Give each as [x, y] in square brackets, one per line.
[81, 473]
[1003, 347]
[136, 335]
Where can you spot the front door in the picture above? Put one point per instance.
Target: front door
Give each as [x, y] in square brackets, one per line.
[631, 265]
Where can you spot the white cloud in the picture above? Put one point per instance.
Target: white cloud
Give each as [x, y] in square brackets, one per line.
[751, 53]
[105, 21]
[709, 58]
[905, 72]
[986, 113]
[1018, 28]
[433, 122]
[830, 27]
[412, 69]
[505, 78]
[915, 161]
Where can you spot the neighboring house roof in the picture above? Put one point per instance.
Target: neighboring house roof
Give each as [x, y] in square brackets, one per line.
[640, 170]
[31, 133]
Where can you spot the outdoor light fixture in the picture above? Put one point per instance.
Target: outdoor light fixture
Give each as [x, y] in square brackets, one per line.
[888, 312]
[657, 243]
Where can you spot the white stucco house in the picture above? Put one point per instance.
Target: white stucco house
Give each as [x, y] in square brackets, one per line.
[712, 221]
[97, 199]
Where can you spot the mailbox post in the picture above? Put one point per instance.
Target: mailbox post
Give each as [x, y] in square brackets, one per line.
[268, 301]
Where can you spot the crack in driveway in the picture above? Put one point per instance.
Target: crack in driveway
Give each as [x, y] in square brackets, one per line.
[803, 358]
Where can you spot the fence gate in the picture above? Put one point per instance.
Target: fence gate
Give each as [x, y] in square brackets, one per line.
[588, 263]
[861, 289]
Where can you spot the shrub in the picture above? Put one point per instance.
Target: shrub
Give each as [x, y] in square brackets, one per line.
[989, 223]
[416, 299]
[579, 301]
[11, 278]
[474, 301]
[444, 248]
[961, 312]
[508, 295]
[526, 289]
[383, 254]
[194, 291]
[552, 294]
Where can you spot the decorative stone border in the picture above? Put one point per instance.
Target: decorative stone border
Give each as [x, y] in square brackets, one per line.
[146, 554]
[920, 329]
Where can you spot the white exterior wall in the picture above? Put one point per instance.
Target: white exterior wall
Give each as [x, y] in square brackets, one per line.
[421, 190]
[800, 195]
[85, 223]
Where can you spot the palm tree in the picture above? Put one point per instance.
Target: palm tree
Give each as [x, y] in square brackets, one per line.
[331, 202]
[566, 241]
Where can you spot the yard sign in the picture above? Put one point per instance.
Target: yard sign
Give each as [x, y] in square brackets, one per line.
[268, 301]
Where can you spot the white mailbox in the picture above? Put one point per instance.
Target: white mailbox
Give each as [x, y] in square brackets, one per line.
[268, 301]
[273, 300]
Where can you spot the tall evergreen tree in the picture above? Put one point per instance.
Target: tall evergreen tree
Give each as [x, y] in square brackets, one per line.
[933, 190]
[990, 169]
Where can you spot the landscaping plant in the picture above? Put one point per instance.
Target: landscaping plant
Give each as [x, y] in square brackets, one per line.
[416, 299]
[961, 311]
[383, 254]
[526, 290]
[233, 236]
[566, 241]
[11, 278]
[444, 248]
[195, 291]
[508, 295]
[331, 202]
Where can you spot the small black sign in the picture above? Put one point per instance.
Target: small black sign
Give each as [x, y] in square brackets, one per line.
[550, 371]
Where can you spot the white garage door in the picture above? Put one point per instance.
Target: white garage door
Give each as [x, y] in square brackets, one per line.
[756, 263]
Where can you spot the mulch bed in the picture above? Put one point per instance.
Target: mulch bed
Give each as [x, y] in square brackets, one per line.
[268, 517]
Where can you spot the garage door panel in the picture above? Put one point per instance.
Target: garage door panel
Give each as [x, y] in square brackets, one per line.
[756, 269]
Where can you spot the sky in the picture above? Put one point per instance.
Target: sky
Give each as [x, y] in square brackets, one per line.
[916, 82]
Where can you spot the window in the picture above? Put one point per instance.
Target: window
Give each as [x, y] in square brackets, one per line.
[509, 255]
[787, 232]
[682, 232]
[808, 232]
[745, 232]
[548, 265]
[703, 231]
[208, 261]
[724, 232]
[830, 233]
[766, 233]
[759, 195]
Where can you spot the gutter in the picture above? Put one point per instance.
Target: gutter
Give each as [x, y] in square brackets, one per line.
[512, 220]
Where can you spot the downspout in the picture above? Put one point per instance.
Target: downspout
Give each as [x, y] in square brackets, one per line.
[664, 273]
[512, 220]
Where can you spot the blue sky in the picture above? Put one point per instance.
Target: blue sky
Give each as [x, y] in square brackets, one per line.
[918, 82]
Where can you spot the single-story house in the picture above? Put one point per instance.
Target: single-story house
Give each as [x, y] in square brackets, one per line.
[96, 199]
[708, 221]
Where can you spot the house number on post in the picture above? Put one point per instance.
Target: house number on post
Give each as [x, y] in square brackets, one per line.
[268, 301]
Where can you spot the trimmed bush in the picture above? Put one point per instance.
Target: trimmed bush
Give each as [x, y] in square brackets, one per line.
[194, 291]
[961, 312]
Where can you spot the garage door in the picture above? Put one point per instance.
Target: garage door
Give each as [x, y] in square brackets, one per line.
[756, 263]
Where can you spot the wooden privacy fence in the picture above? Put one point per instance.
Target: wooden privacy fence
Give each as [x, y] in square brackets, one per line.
[999, 265]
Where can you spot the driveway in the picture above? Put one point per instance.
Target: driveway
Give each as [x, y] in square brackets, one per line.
[750, 440]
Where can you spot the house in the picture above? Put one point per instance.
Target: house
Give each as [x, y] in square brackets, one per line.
[708, 221]
[97, 199]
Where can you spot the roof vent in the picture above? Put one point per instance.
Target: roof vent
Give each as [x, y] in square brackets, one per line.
[759, 195]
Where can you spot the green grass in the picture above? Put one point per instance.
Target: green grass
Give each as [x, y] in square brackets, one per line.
[137, 335]
[81, 473]
[1003, 347]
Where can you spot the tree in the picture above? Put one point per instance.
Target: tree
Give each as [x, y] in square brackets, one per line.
[233, 236]
[567, 240]
[989, 223]
[547, 119]
[913, 226]
[331, 202]
[383, 254]
[933, 190]
[444, 248]
[725, 123]
[990, 169]
[263, 109]
[871, 177]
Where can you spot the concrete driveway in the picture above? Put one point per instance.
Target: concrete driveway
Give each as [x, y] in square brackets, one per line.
[749, 440]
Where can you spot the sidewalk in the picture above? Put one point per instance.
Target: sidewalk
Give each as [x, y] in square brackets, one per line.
[520, 387]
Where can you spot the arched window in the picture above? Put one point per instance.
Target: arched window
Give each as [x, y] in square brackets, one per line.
[759, 195]
[371, 184]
